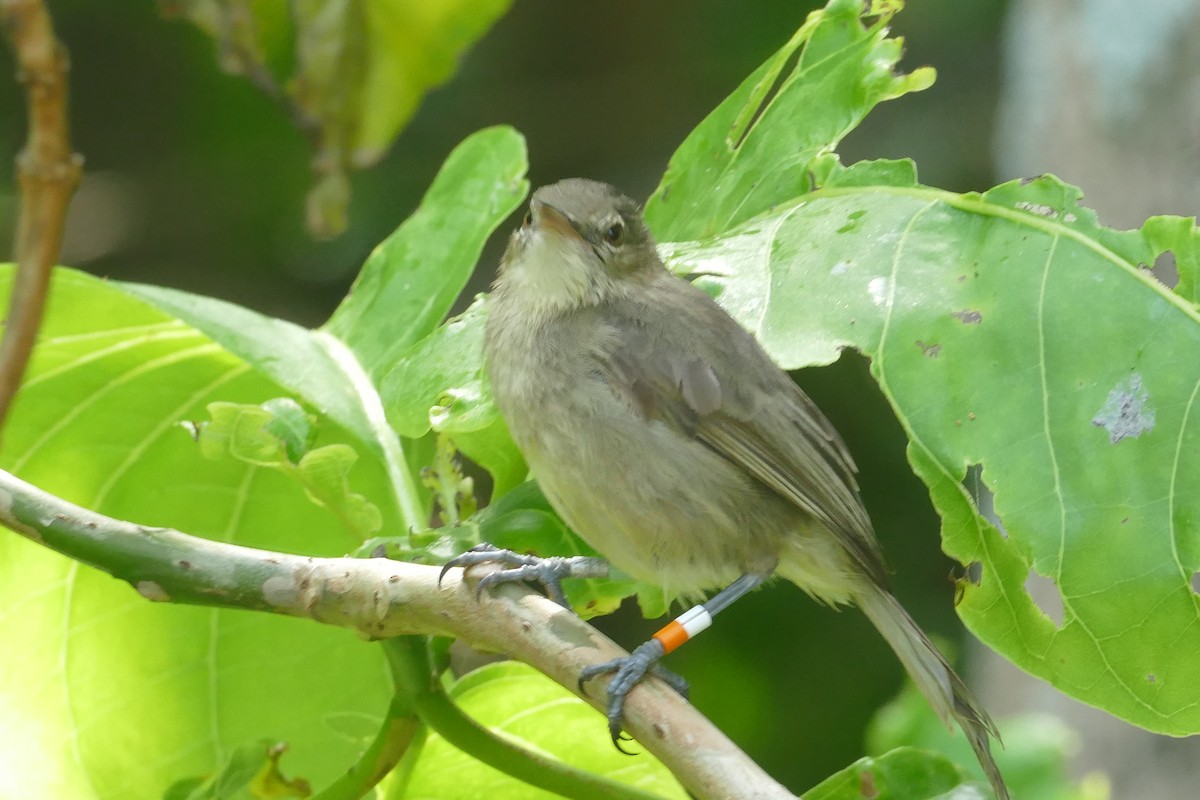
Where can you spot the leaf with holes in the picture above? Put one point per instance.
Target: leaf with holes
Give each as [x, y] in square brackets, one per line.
[1012, 333]
[755, 148]
[1010, 330]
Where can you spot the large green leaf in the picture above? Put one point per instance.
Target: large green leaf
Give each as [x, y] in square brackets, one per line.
[115, 697]
[98, 422]
[1009, 330]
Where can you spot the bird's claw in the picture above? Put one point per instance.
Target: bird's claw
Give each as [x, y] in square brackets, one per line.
[628, 671]
[548, 572]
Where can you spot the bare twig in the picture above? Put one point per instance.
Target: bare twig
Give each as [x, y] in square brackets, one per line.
[48, 173]
[383, 598]
[316, 96]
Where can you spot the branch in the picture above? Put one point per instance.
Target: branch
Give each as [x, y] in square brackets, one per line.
[48, 173]
[381, 598]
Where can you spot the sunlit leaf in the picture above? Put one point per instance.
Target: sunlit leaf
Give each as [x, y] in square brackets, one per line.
[409, 282]
[440, 384]
[250, 772]
[519, 703]
[114, 696]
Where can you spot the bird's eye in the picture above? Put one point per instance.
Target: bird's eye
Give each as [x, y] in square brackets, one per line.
[528, 220]
[614, 233]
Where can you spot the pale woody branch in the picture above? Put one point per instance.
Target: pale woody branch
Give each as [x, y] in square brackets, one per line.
[381, 598]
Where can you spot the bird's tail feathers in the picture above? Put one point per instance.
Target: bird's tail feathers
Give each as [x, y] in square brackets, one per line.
[944, 690]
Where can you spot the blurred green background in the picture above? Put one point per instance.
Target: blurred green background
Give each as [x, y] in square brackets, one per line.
[196, 180]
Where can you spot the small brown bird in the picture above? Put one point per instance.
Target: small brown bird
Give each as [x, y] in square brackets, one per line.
[666, 437]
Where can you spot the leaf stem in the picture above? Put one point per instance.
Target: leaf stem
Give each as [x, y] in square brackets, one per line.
[406, 490]
[399, 729]
[410, 668]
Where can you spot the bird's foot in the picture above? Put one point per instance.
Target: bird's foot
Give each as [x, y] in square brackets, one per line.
[627, 673]
[548, 572]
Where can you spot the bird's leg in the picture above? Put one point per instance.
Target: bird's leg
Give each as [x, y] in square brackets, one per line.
[549, 572]
[629, 671]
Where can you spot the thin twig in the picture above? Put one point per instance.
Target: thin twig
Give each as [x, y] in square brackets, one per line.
[239, 54]
[48, 173]
[383, 598]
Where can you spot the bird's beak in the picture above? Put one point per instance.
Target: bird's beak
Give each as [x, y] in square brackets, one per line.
[548, 218]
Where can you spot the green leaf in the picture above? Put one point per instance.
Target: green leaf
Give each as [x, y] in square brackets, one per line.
[1009, 330]
[405, 289]
[756, 147]
[308, 364]
[493, 449]
[448, 361]
[1034, 759]
[520, 703]
[239, 430]
[412, 46]
[291, 425]
[410, 281]
[902, 774]
[250, 772]
[251, 433]
[356, 72]
[114, 696]
[324, 473]
[440, 384]
[1180, 237]
[973, 310]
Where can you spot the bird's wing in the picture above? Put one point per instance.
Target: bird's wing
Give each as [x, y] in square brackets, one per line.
[748, 411]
